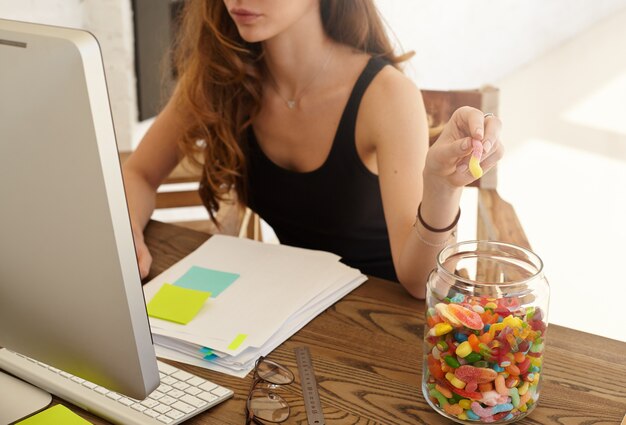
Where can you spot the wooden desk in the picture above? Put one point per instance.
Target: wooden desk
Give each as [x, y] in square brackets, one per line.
[367, 355]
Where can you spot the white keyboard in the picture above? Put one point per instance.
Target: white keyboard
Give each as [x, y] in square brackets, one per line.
[180, 396]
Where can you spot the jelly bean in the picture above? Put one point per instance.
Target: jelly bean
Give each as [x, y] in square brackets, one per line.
[472, 416]
[512, 370]
[434, 367]
[474, 161]
[523, 366]
[444, 391]
[452, 361]
[488, 386]
[453, 409]
[497, 368]
[454, 381]
[478, 308]
[460, 337]
[433, 320]
[486, 338]
[534, 369]
[500, 386]
[442, 346]
[440, 398]
[491, 305]
[465, 403]
[436, 354]
[515, 399]
[523, 388]
[467, 317]
[462, 416]
[440, 329]
[481, 363]
[446, 367]
[473, 342]
[457, 298]
[479, 375]
[511, 381]
[473, 357]
[464, 349]
[519, 357]
[524, 399]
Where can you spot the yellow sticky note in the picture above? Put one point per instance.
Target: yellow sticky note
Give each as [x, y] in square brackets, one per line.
[177, 304]
[55, 415]
[237, 341]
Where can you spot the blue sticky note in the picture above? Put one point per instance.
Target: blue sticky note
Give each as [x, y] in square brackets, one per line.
[207, 280]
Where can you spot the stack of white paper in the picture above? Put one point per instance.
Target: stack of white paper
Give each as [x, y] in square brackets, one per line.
[278, 291]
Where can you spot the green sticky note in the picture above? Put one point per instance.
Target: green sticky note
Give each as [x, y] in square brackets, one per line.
[237, 341]
[176, 304]
[201, 279]
[55, 415]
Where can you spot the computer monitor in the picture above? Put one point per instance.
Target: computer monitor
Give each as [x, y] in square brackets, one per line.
[70, 290]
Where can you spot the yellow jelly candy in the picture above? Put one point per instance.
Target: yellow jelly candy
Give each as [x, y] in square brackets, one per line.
[440, 329]
[474, 162]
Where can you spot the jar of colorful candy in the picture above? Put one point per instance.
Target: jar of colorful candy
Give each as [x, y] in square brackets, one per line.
[484, 338]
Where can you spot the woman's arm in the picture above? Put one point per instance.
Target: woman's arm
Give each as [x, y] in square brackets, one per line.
[410, 173]
[155, 158]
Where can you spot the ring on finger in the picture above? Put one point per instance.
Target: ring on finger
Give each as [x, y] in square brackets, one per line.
[488, 114]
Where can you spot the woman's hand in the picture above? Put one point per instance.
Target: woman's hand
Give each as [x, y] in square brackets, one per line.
[144, 258]
[449, 156]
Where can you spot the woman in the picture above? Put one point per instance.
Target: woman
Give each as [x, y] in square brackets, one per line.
[299, 106]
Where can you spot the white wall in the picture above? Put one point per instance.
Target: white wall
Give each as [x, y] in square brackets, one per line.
[467, 43]
[111, 22]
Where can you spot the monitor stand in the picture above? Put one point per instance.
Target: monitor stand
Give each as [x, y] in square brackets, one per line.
[19, 399]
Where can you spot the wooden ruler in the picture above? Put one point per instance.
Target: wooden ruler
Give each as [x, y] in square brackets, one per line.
[314, 413]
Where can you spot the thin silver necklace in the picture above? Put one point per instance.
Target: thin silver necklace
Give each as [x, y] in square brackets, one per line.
[293, 102]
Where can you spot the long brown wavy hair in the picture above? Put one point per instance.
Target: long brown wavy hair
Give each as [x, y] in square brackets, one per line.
[220, 78]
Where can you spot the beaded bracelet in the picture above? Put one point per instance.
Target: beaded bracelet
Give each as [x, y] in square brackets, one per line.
[434, 229]
[435, 244]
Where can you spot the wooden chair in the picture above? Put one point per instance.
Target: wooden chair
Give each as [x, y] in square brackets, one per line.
[496, 218]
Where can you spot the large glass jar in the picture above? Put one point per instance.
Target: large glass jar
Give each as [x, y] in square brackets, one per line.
[484, 337]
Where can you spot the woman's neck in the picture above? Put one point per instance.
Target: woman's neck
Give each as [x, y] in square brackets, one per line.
[295, 56]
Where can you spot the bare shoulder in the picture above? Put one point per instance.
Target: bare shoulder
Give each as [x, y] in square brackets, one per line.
[392, 102]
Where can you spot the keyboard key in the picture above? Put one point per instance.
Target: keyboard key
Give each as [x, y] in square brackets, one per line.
[114, 396]
[208, 386]
[65, 374]
[193, 390]
[168, 380]
[156, 395]
[183, 407]
[175, 414]
[167, 400]
[196, 381]
[149, 403]
[181, 386]
[150, 413]
[165, 419]
[139, 407]
[176, 393]
[220, 391]
[182, 375]
[162, 408]
[78, 380]
[164, 388]
[101, 390]
[127, 401]
[208, 397]
[166, 369]
[89, 385]
[194, 401]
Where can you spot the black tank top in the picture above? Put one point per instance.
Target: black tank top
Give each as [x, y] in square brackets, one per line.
[337, 207]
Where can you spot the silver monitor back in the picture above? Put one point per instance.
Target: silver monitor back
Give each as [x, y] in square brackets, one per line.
[70, 291]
